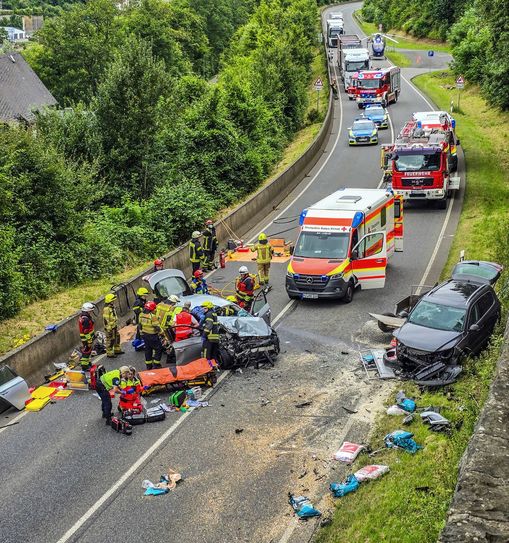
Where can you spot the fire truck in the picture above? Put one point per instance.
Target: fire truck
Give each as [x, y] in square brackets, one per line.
[344, 242]
[377, 86]
[420, 164]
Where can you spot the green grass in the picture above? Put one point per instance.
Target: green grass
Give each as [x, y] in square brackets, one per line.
[409, 504]
[404, 40]
[33, 318]
[399, 59]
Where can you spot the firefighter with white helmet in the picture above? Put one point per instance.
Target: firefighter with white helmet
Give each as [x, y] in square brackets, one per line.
[244, 288]
[87, 334]
[196, 253]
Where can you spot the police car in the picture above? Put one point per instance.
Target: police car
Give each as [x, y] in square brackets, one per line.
[363, 132]
[378, 114]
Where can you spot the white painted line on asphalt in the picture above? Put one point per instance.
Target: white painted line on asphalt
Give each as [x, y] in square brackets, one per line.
[437, 247]
[417, 91]
[315, 177]
[289, 531]
[283, 312]
[130, 472]
[14, 420]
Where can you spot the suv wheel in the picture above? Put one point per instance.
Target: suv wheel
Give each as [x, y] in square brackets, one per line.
[348, 297]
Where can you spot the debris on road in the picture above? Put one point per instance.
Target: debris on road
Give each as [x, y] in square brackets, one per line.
[303, 507]
[371, 472]
[348, 452]
[167, 482]
[239, 430]
[303, 404]
[437, 422]
[351, 484]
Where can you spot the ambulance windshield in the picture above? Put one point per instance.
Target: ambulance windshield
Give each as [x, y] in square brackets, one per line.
[322, 245]
[418, 162]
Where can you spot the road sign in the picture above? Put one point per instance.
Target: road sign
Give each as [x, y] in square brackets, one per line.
[431, 53]
[460, 82]
[318, 84]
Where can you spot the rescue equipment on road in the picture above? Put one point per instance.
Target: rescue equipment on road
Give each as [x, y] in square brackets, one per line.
[344, 242]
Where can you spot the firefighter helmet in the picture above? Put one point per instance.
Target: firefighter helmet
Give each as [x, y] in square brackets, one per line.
[150, 306]
[196, 234]
[158, 262]
[262, 237]
[110, 298]
[87, 306]
[207, 304]
[198, 274]
[243, 270]
[174, 299]
[232, 299]
[142, 291]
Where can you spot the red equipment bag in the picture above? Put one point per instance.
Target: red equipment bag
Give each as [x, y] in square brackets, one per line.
[95, 373]
[121, 426]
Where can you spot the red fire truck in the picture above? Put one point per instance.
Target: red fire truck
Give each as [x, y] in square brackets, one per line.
[377, 86]
[420, 163]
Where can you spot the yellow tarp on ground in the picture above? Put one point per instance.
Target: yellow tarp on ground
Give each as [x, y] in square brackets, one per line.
[37, 405]
[63, 394]
[42, 392]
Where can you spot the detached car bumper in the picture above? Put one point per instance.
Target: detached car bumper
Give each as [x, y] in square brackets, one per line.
[315, 287]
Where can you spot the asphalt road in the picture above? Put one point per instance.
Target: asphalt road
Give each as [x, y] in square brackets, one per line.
[67, 477]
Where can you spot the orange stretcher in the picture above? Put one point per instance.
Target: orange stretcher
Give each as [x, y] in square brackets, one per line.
[198, 372]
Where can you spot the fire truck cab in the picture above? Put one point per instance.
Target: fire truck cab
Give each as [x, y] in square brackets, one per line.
[344, 242]
[421, 162]
[377, 86]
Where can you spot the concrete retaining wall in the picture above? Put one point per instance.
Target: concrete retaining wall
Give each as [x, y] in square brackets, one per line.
[33, 359]
[480, 507]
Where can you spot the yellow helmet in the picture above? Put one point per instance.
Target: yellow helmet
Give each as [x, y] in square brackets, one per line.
[231, 298]
[262, 237]
[142, 291]
[110, 298]
[207, 304]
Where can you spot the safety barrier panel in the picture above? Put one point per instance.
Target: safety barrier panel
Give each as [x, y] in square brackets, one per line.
[480, 506]
[33, 359]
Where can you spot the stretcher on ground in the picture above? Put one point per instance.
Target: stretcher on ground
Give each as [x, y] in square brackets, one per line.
[195, 373]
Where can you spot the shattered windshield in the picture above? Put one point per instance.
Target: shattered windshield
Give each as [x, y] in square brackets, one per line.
[418, 162]
[322, 245]
[437, 316]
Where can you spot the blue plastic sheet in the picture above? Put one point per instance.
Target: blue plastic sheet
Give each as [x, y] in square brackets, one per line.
[339, 490]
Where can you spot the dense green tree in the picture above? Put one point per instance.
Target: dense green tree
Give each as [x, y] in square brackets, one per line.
[126, 110]
[11, 279]
[73, 50]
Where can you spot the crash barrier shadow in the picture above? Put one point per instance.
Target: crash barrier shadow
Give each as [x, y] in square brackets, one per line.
[34, 359]
[480, 506]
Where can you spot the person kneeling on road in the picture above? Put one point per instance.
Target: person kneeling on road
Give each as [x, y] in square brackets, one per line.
[210, 334]
[110, 381]
[150, 332]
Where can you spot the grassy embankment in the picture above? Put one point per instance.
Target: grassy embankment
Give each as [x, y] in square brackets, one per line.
[410, 503]
[33, 318]
[403, 42]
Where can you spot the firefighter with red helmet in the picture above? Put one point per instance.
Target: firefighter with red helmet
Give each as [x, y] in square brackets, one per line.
[87, 334]
[198, 283]
[209, 245]
[150, 332]
[244, 288]
[158, 265]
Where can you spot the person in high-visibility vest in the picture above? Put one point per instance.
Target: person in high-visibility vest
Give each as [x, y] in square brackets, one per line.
[210, 335]
[130, 390]
[164, 312]
[111, 327]
[150, 332]
[110, 381]
[264, 254]
[87, 334]
[244, 288]
[139, 302]
[209, 245]
[196, 254]
[198, 283]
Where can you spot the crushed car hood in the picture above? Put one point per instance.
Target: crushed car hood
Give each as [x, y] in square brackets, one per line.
[426, 339]
[246, 327]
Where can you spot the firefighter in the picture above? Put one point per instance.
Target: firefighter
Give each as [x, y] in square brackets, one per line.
[209, 245]
[199, 284]
[164, 312]
[111, 327]
[87, 334]
[229, 311]
[110, 381]
[244, 288]
[264, 253]
[184, 322]
[139, 302]
[150, 332]
[196, 254]
[158, 265]
[210, 334]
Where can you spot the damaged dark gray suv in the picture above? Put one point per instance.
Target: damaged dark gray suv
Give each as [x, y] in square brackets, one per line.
[452, 320]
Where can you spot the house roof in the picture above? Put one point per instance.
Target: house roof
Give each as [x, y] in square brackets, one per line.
[21, 91]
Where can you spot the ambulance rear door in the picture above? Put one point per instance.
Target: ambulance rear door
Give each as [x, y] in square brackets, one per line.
[369, 260]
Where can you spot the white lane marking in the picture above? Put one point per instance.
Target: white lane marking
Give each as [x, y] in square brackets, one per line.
[289, 531]
[14, 420]
[314, 178]
[147, 454]
[130, 472]
[437, 247]
[417, 91]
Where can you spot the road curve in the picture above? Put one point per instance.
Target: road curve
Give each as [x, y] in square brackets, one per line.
[67, 477]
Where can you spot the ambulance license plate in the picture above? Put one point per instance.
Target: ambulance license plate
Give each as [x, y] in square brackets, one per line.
[310, 295]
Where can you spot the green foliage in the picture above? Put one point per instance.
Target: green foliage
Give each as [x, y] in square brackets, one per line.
[11, 293]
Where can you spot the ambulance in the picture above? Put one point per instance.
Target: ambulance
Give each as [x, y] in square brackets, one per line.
[344, 242]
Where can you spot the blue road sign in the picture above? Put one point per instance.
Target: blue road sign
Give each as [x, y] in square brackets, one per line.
[431, 53]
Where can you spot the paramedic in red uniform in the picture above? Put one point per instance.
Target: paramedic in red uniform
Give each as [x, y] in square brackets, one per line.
[244, 288]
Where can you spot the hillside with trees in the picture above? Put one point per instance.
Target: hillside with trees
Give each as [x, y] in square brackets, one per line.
[478, 31]
[146, 148]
